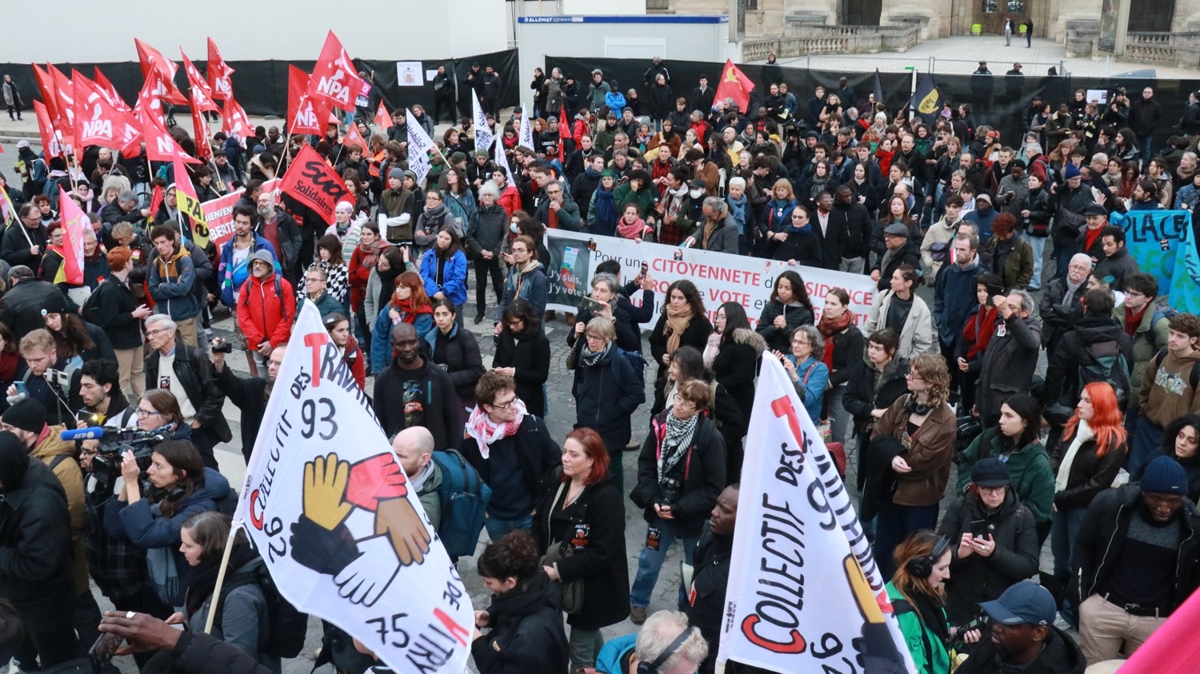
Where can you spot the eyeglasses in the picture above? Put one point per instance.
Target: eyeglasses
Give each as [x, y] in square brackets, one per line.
[308, 279]
[151, 333]
[504, 405]
[142, 414]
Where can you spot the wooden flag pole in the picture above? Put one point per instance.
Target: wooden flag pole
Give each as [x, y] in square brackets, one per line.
[213, 606]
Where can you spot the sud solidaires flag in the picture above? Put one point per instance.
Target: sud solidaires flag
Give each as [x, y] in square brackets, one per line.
[219, 72]
[734, 84]
[525, 134]
[1174, 647]
[926, 101]
[335, 79]
[483, 131]
[342, 532]
[419, 147]
[71, 270]
[314, 183]
[805, 594]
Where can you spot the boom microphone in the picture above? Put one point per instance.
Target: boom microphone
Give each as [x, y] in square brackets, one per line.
[90, 433]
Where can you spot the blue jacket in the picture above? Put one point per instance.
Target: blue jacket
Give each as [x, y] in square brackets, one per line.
[984, 221]
[531, 286]
[954, 299]
[172, 285]
[381, 346]
[454, 277]
[225, 270]
[812, 390]
[615, 101]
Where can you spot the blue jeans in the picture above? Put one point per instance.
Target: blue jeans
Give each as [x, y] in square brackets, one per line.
[1145, 144]
[1063, 252]
[650, 563]
[1038, 244]
[496, 528]
[1064, 525]
[1147, 441]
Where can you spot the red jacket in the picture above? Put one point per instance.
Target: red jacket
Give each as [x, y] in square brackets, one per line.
[510, 199]
[360, 273]
[354, 358]
[266, 310]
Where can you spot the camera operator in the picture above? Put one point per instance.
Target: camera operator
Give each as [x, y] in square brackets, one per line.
[185, 372]
[104, 403]
[248, 393]
[45, 378]
[27, 421]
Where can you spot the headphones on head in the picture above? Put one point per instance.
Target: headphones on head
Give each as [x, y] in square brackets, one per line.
[652, 667]
[922, 567]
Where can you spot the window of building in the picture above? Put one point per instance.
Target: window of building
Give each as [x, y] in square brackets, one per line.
[1016, 6]
[991, 6]
[658, 4]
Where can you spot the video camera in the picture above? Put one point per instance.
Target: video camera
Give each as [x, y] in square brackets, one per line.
[106, 465]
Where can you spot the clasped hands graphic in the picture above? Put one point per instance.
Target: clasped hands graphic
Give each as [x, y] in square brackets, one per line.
[364, 568]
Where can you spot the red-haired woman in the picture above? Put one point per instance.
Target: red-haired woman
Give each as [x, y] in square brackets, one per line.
[1096, 445]
[586, 513]
[410, 305]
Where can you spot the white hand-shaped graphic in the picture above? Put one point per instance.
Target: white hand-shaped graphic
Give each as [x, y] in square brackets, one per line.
[366, 579]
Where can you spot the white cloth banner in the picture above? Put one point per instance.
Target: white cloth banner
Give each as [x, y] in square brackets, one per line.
[341, 530]
[525, 134]
[720, 277]
[483, 130]
[500, 158]
[419, 147]
[804, 592]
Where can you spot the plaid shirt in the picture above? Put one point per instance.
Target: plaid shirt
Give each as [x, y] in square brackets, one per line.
[116, 564]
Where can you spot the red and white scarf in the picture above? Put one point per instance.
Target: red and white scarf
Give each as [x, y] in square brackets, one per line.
[481, 427]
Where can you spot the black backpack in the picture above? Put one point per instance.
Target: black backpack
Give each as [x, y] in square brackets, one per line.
[1104, 362]
[286, 626]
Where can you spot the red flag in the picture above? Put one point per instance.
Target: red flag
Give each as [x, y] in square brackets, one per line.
[314, 183]
[382, 119]
[45, 83]
[234, 121]
[46, 130]
[200, 129]
[156, 198]
[354, 137]
[74, 221]
[202, 96]
[161, 70]
[99, 122]
[189, 205]
[131, 138]
[734, 84]
[563, 125]
[107, 87]
[305, 113]
[335, 79]
[160, 146]
[219, 72]
[64, 100]
[1174, 646]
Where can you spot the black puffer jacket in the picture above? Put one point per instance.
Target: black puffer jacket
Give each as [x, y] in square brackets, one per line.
[606, 395]
[1090, 337]
[848, 351]
[700, 474]
[525, 632]
[865, 392]
[1090, 475]
[736, 365]
[487, 230]
[459, 355]
[111, 308]
[977, 579]
[795, 314]
[528, 353]
[35, 540]
[594, 524]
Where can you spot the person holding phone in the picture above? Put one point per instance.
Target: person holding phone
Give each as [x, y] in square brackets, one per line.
[995, 542]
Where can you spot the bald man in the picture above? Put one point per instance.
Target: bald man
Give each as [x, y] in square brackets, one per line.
[414, 449]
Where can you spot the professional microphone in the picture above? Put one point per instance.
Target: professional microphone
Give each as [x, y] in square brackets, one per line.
[90, 433]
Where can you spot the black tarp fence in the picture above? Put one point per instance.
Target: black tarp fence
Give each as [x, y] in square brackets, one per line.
[998, 101]
[261, 87]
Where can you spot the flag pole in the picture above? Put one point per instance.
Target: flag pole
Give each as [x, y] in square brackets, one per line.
[213, 606]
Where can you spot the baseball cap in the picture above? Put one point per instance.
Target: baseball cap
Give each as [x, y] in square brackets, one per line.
[1025, 603]
[22, 144]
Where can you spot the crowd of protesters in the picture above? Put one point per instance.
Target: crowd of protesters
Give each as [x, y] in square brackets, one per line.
[951, 221]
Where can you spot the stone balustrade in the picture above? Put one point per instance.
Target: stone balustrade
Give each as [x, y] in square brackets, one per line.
[808, 35]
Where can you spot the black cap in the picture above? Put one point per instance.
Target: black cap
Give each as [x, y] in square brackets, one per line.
[990, 473]
[1095, 209]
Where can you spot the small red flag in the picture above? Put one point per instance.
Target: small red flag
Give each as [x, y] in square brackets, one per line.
[74, 222]
[46, 130]
[305, 113]
[234, 121]
[563, 126]
[64, 101]
[45, 83]
[734, 84]
[219, 72]
[202, 96]
[161, 70]
[314, 183]
[156, 199]
[335, 79]
[99, 122]
[113, 96]
[354, 137]
[200, 129]
[382, 119]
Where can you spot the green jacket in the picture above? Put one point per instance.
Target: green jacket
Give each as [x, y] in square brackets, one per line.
[644, 199]
[1148, 339]
[1029, 468]
[326, 304]
[1018, 266]
[928, 652]
[428, 496]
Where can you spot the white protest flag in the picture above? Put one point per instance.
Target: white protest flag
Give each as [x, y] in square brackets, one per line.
[525, 134]
[500, 158]
[340, 528]
[483, 131]
[798, 598]
[419, 146]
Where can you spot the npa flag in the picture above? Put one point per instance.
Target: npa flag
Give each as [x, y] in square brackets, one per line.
[160, 70]
[189, 205]
[74, 221]
[926, 101]
[64, 102]
[98, 121]
[314, 183]
[734, 84]
[335, 79]
[1173, 648]
[46, 130]
[419, 147]
[201, 130]
[342, 532]
[160, 146]
[878, 87]
[219, 72]
[110, 91]
[804, 593]
[382, 119]
[202, 95]
[525, 134]
[45, 84]
[483, 131]
[234, 121]
[305, 113]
